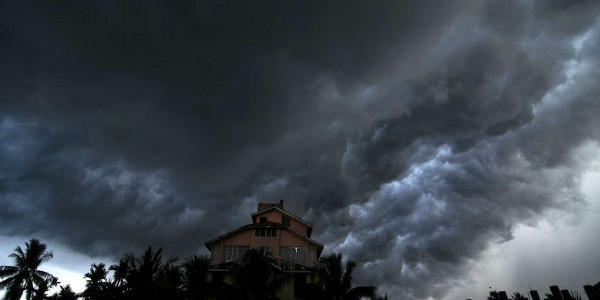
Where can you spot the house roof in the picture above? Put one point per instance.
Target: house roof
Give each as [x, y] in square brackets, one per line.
[262, 225]
[254, 215]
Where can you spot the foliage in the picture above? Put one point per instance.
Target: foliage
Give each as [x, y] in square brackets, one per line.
[65, 293]
[24, 276]
[494, 295]
[253, 275]
[195, 271]
[148, 277]
[256, 276]
[336, 282]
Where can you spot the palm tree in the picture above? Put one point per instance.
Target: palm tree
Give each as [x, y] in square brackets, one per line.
[195, 270]
[148, 277]
[336, 282]
[120, 272]
[96, 286]
[119, 281]
[25, 276]
[40, 294]
[253, 275]
[66, 293]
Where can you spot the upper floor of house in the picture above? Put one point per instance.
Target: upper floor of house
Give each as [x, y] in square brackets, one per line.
[274, 213]
[284, 235]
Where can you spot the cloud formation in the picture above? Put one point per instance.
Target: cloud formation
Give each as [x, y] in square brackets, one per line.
[411, 134]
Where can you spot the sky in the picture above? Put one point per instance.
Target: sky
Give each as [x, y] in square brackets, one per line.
[448, 147]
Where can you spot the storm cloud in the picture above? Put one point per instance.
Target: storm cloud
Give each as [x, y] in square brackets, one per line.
[412, 134]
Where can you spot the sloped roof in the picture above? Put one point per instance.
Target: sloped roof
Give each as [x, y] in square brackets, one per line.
[254, 215]
[262, 225]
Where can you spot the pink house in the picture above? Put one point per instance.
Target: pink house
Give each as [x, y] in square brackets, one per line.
[273, 229]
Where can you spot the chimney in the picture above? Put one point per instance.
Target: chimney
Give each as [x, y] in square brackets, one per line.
[281, 203]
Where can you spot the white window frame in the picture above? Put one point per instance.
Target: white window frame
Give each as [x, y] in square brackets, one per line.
[265, 232]
[233, 252]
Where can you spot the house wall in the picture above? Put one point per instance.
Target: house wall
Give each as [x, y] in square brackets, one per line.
[272, 216]
[242, 238]
[271, 242]
[289, 239]
[284, 238]
[275, 216]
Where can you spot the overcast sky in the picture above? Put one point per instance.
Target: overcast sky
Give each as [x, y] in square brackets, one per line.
[446, 146]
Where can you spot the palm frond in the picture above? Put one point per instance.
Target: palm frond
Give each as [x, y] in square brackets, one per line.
[8, 281]
[347, 276]
[8, 271]
[47, 256]
[44, 275]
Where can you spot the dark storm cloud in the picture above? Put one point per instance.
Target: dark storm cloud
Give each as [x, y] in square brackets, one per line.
[412, 134]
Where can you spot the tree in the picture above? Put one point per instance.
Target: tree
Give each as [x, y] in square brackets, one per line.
[24, 276]
[120, 272]
[336, 282]
[97, 286]
[66, 293]
[195, 271]
[253, 275]
[149, 278]
[494, 295]
[40, 294]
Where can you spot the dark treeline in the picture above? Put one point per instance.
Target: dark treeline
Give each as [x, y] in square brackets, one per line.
[151, 276]
[592, 292]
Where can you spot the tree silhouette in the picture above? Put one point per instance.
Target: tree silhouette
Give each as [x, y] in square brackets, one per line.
[120, 271]
[40, 293]
[97, 287]
[336, 282]
[24, 276]
[119, 281]
[149, 278]
[494, 295]
[253, 275]
[66, 293]
[195, 271]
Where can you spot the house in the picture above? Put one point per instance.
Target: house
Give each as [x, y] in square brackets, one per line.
[285, 236]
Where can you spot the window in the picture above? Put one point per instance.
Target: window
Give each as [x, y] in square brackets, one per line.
[214, 254]
[263, 219]
[231, 252]
[312, 256]
[293, 254]
[285, 220]
[265, 232]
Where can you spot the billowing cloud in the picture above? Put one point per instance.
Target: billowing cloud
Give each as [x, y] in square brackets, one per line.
[412, 134]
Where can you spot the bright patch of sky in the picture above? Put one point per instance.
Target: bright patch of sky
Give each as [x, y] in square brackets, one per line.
[552, 252]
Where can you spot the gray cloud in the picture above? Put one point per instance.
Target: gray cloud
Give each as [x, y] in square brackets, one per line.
[411, 134]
